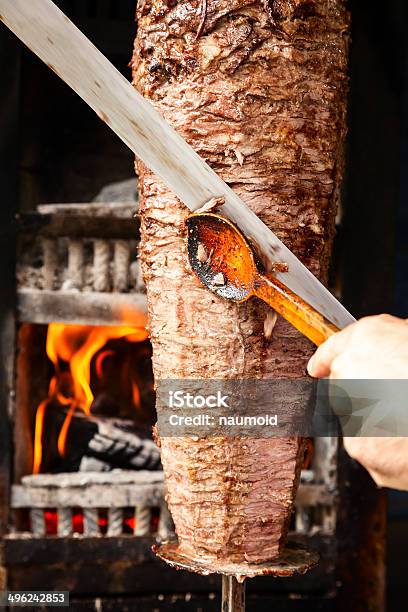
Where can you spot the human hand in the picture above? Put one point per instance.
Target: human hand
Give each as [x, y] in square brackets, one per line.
[372, 348]
[385, 459]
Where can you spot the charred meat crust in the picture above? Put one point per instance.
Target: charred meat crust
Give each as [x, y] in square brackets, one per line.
[259, 89]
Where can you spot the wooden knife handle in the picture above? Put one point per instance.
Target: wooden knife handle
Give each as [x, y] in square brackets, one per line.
[294, 309]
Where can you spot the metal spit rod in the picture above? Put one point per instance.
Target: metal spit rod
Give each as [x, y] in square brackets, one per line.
[292, 559]
[233, 595]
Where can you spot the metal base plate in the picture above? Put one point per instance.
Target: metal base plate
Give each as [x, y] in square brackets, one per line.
[294, 559]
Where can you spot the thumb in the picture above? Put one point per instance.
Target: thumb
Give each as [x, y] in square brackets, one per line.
[320, 363]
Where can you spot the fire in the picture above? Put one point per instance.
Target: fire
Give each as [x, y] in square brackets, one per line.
[72, 349]
[39, 422]
[135, 395]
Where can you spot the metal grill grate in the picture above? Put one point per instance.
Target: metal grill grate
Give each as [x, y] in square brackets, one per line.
[140, 491]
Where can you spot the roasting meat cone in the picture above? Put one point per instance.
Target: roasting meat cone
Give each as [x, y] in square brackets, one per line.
[259, 90]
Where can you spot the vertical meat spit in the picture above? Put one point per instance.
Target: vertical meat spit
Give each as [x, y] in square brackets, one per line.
[233, 595]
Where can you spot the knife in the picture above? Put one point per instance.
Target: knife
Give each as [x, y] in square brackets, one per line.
[48, 32]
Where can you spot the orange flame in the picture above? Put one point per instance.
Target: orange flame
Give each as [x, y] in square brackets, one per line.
[75, 346]
[62, 438]
[99, 362]
[39, 425]
[136, 395]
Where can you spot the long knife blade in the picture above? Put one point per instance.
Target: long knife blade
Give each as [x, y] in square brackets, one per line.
[44, 28]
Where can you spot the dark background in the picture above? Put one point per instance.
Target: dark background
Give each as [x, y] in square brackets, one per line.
[376, 201]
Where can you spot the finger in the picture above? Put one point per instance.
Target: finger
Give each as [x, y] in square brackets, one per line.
[354, 446]
[320, 364]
